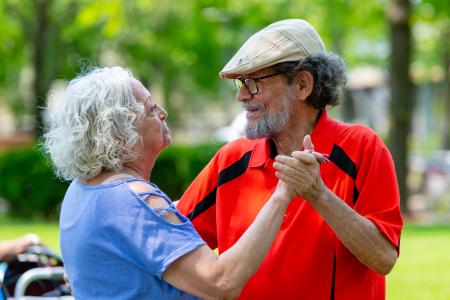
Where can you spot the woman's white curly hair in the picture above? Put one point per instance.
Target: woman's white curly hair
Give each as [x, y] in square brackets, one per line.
[92, 128]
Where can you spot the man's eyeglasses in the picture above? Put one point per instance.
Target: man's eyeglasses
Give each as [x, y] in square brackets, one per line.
[251, 83]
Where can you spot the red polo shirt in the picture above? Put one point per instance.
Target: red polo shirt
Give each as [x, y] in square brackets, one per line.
[306, 260]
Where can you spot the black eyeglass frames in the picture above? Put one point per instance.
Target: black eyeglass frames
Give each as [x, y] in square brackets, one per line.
[251, 83]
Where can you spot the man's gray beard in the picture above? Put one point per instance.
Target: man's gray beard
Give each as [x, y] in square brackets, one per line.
[268, 126]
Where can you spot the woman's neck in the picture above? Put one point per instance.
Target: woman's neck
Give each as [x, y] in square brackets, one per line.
[127, 171]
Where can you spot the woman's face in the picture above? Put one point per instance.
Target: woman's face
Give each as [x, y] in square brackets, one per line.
[151, 126]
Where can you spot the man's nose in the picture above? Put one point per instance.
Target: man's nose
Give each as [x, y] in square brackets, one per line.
[243, 94]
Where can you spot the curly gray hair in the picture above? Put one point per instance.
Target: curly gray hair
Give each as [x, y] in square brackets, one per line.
[328, 70]
[91, 128]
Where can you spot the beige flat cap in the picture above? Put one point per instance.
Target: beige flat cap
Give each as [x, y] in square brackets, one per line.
[287, 40]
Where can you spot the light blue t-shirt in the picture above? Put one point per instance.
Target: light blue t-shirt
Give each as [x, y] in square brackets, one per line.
[114, 246]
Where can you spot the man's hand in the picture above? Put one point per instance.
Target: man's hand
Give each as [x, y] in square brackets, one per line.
[361, 237]
[301, 172]
[309, 147]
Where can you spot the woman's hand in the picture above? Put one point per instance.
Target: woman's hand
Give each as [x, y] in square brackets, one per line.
[284, 192]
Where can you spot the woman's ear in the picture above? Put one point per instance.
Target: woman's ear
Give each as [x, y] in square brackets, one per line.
[305, 83]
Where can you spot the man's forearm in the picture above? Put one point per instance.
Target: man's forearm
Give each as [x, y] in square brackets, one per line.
[357, 233]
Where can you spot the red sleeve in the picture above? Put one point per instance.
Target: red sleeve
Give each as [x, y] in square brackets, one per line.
[379, 199]
[198, 202]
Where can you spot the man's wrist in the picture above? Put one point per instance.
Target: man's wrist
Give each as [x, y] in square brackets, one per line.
[321, 196]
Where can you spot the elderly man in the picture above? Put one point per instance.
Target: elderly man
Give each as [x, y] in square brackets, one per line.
[340, 236]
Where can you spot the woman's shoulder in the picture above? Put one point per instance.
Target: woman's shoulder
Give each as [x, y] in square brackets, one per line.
[141, 186]
[156, 200]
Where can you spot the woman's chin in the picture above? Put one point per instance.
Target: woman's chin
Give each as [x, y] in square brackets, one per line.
[167, 141]
[167, 137]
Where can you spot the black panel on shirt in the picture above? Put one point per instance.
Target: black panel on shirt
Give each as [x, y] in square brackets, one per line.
[355, 194]
[343, 161]
[273, 149]
[203, 205]
[333, 278]
[235, 170]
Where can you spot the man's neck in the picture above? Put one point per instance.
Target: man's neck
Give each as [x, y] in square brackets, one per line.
[291, 138]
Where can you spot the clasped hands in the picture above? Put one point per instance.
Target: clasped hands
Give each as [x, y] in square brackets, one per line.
[301, 172]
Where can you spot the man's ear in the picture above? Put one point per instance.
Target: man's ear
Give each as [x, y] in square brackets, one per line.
[305, 83]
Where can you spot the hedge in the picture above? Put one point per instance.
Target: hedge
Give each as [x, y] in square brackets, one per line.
[177, 166]
[29, 186]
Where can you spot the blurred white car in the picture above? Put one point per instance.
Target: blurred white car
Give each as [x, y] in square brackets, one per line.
[234, 131]
[430, 177]
[438, 172]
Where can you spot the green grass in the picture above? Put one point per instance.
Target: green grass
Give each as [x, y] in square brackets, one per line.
[421, 273]
[47, 231]
[423, 270]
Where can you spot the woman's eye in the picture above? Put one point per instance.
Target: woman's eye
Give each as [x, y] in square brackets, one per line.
[153, 110]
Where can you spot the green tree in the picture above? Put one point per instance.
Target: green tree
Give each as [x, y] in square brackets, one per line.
[54, 37]
[173, 45]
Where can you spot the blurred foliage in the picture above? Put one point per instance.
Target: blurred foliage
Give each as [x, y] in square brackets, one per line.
[431, 31]
[32, 191]
[180, 46]
[72, 32]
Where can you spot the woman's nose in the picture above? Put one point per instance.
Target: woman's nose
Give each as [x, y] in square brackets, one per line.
[162, 113]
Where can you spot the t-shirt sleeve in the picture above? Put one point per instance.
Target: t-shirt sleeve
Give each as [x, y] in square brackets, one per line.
[379, 199]
[148, 240]
[198, 202]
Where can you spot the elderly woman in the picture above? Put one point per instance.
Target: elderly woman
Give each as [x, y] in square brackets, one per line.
[121, 236]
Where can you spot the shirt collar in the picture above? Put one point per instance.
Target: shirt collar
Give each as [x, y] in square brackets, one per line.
[324, 133]
[261, 152]
[322, 137]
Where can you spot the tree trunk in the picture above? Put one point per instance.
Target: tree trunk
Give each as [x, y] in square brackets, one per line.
[402, 95]
[41, 82]
[348, 107]
[446, 83]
